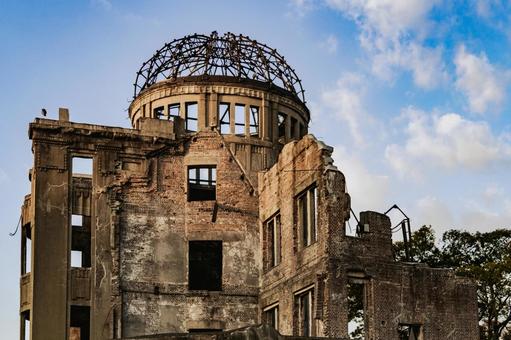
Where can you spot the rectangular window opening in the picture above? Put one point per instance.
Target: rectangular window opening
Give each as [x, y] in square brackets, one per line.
[192, 114]
[271, 316]
[80, 255]
[202, 183]
[27, 250]
[304, 303]
[28, 256]
[281, 119]
[77, 220]
[76, 258]
[302, 130]
[174, 111]
[158, 112]
[239, 119]
[205, 265]
[294, 123]
[273, 238]
[25, 317]
[82, 166]
[356, 313]
[225, 118]
[254, 121]
[79, 325]
[307, 215]
[409, 331]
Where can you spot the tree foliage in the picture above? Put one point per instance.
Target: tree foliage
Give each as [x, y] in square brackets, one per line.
[484, 257]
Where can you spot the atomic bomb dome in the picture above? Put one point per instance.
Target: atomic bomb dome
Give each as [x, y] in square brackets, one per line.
[216, 212]
[229, 55]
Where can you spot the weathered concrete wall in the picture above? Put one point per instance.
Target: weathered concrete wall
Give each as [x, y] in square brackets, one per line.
[140, 223]
[156, 224]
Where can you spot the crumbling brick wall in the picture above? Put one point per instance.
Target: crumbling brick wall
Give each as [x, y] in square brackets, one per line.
[394, 294]
[156, 224]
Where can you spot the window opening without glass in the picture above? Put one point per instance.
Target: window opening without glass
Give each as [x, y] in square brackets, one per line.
[205, 265]
[271, 316]
[304, 302]
[174, 110]
[307, 215]
[239, 119]
[254, 121]
[273, 238]
[191, 116]
[281, 120]
[225, 119]
[158, 112]
[202, 183]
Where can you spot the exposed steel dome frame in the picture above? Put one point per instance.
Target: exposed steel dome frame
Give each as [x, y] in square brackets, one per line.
[228, 55]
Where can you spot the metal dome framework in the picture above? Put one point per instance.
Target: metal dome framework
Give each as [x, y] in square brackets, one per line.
[228, 55]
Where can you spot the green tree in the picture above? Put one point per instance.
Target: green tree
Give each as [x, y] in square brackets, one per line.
[422, 247]
[484, 257]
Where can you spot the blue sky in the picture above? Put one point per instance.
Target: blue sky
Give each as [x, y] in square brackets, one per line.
[413, 95]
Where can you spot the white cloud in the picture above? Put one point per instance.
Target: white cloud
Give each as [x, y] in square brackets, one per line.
[346, 102]
[400, 161]
[478, 80]
[390, 18]
[301, 7]
[447, 141]
[330, 44]
[392, 33]
[368, 190]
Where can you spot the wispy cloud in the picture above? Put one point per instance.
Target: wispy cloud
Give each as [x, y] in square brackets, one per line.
[104, 4]
[446, 141]
[346, 102]
[368, 189]
[479, 80]
[392, 33]
[330, 44]
[301, 7]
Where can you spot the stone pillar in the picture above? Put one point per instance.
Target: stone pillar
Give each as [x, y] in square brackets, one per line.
[50, 242]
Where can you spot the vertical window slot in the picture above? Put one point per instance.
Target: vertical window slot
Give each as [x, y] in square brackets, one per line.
[304, 303]
[271, 316]
[191, 114]
[225, 118]
[281, 124]
[273, 239]
[307, 203]
[239, 119]
[254, 121]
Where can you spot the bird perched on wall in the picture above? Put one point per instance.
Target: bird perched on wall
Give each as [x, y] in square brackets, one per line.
[43, 112]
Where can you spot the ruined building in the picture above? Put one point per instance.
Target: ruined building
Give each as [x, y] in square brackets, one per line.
[216, 211]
